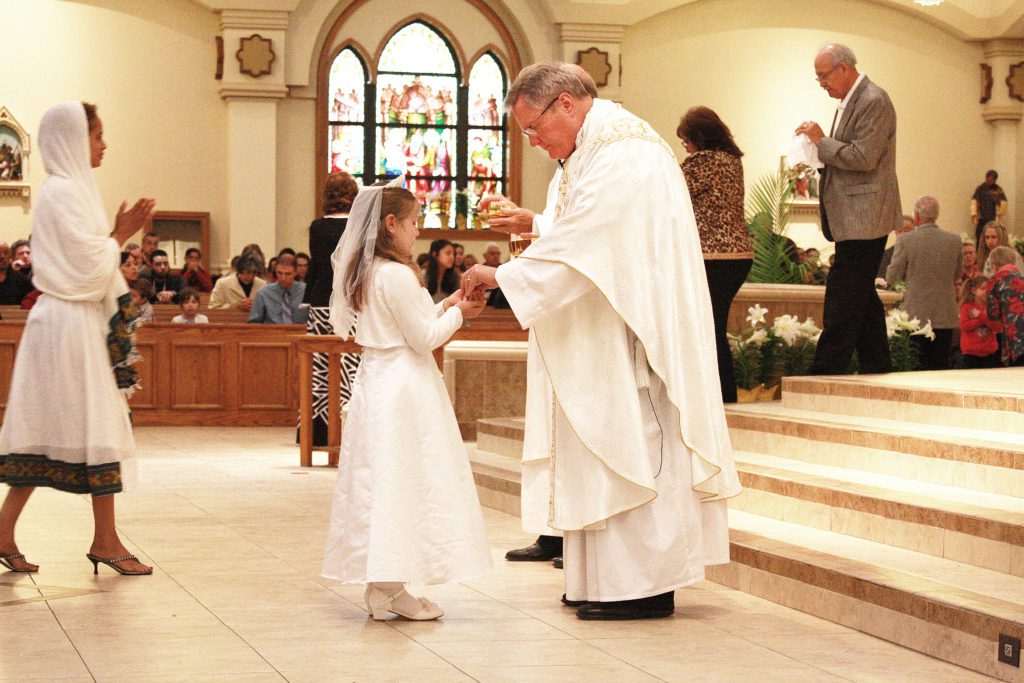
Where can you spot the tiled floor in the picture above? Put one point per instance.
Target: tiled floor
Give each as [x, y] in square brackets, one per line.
[236, 532]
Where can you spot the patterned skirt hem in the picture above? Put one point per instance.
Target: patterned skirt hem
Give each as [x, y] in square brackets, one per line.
[25, 469]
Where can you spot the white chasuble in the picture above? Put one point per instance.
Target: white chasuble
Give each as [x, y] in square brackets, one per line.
[535, 487]
[616, 298]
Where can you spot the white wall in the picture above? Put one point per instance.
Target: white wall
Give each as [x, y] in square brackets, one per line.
[150, 69]
[752, 62]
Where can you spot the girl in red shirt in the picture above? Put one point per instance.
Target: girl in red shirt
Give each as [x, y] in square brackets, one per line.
[979, 345]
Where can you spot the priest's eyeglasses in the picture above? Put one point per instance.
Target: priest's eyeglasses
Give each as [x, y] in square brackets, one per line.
[530, 130]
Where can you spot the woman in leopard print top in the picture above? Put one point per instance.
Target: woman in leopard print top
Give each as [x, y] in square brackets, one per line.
[714, 177]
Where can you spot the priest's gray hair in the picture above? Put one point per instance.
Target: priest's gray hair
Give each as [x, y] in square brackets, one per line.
[927, 207]
[542, 82]
[839, 54]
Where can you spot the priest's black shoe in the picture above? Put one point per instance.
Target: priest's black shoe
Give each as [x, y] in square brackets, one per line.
[654, 607]
[572, 603]
[545, 549]
[557, 563]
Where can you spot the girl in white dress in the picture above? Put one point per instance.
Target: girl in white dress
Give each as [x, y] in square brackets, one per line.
[67, 424]
[405, 508]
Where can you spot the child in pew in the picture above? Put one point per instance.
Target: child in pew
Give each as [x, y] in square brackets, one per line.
[141, 290]
[189, 300]
[405, 506]
[979, 343]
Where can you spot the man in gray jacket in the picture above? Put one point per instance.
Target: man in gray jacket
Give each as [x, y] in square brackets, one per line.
[860, 205]
[929, 260]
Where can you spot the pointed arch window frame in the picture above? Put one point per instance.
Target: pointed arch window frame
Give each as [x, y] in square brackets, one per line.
[510, 177]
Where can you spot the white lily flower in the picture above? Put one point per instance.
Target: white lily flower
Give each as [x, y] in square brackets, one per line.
[787, 328]
[756, 314]
[758, 337]
[925, 331]
[809, 330]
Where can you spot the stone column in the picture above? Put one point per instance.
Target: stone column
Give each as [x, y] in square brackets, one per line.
[598, 49]
[253, 83]
[1004, 112]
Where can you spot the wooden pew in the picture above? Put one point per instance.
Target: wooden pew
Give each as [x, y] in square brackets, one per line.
[224, 373]
[162, 313]
[217, 374]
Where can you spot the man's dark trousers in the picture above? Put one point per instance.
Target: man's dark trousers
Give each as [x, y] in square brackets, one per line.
[854, 319]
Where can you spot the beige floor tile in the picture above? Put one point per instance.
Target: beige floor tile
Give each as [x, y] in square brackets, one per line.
[130, 615]
[723, 658]
[31, 632]
[179, 678]
[381, 644]
[461, 608]
[184, 651]
[563, 674]
[460, 630]
[382, 675]
[861, 657]
[44, 665]
[470, 656]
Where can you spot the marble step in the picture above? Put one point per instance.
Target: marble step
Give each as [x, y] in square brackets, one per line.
[503, 435]
[983, 460]
[985, 530]
[497, 478]
[946, 609]
[979, 528]
[991, 399]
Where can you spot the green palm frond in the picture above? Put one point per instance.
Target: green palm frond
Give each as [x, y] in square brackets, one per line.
[768, 205]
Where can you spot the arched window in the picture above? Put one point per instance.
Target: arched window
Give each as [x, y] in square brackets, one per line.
[347, 114]
[420, 118]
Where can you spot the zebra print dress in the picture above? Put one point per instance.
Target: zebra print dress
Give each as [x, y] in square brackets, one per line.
[319, 324]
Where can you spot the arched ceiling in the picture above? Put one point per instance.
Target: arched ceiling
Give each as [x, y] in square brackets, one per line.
[966, 19]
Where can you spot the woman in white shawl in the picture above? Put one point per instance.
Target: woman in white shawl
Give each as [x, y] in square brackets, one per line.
[67, 424]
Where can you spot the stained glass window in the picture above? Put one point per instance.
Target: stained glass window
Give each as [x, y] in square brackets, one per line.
[418, 119]
[347, 113]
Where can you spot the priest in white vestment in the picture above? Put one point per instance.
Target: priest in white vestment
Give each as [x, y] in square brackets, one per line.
[640, 464]
[536, 485]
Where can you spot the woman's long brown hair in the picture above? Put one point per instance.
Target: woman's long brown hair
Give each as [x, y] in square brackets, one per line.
[397, 202]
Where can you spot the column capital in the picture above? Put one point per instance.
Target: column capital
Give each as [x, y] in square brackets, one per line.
[1006, 112]
[594, 33]
[1011, 48]
[253, 19]
[254, 49]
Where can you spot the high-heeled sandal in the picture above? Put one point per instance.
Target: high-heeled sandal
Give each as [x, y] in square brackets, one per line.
[112, 563]
[5, 560]
[380, 605]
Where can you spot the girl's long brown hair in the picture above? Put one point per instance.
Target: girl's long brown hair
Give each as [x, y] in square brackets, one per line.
[397, 202]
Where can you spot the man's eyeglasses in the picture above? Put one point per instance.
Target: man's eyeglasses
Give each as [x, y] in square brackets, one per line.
[824, 77]
[529, 130]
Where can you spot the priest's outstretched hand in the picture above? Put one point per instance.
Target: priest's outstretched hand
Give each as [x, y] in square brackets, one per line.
[477, 279]
[514, 220]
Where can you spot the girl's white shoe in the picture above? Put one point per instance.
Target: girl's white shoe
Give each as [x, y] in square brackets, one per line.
[380, 604]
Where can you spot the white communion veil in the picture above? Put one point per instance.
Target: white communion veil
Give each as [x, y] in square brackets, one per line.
[360, 237]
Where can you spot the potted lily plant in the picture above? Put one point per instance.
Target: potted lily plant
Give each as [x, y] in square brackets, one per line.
[763, 353]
